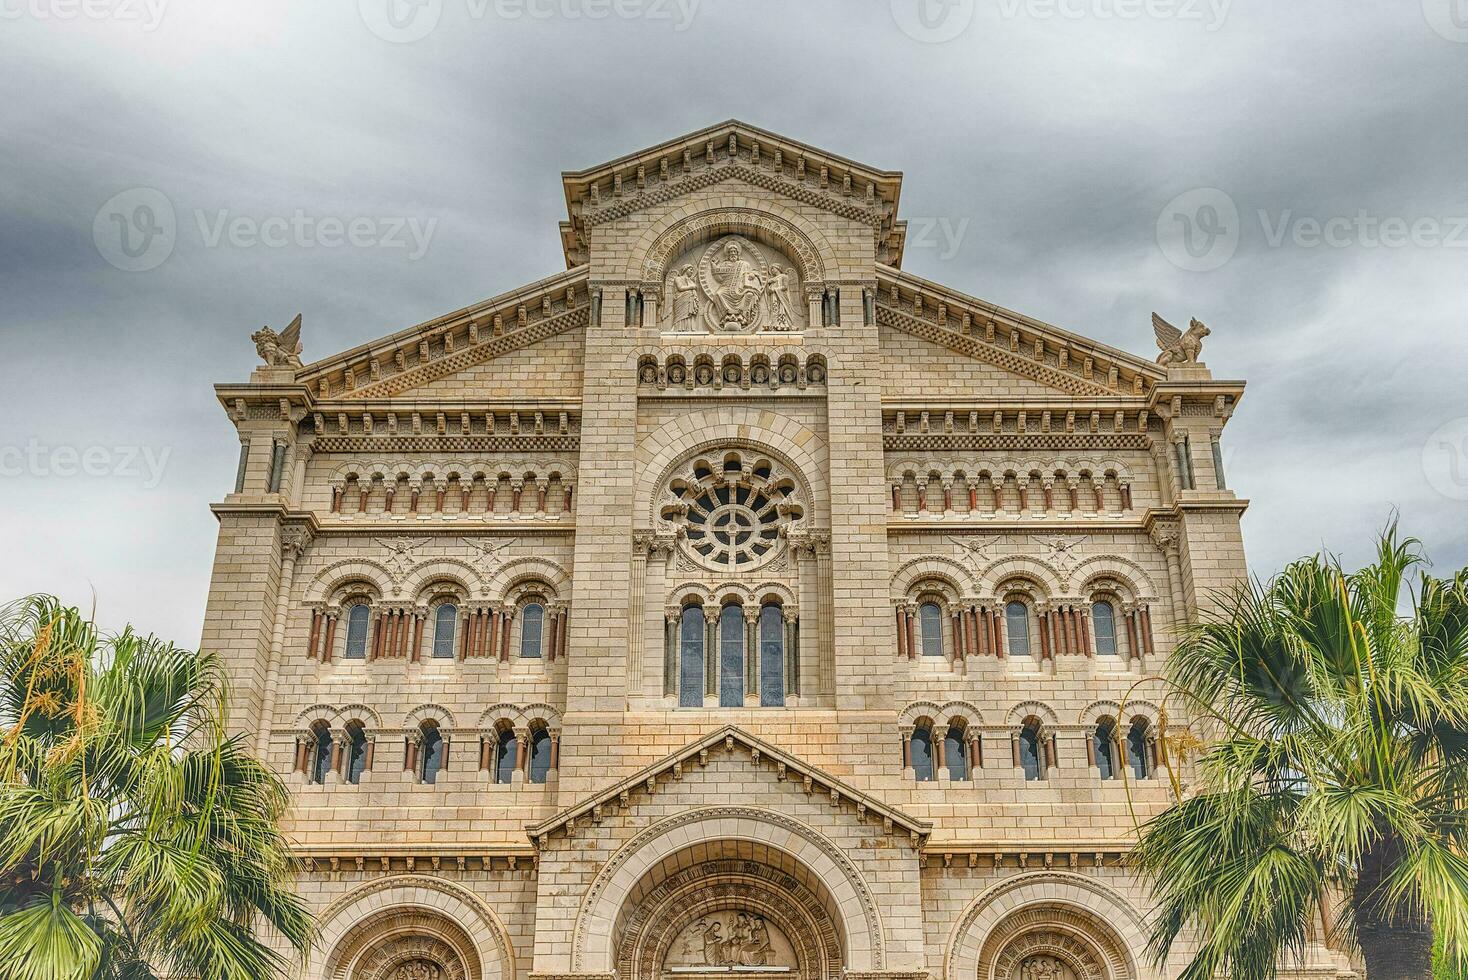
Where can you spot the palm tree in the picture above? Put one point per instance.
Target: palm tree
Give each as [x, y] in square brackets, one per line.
[135, 835]
[1338, 767]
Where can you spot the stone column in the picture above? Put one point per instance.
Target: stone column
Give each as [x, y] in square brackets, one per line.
[294, 539]
[636, 613]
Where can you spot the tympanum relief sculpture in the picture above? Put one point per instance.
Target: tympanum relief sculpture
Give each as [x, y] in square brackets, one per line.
[734, 940]
[733, 285]
[1043, 968]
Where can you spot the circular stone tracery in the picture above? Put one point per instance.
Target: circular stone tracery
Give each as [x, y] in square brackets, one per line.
[730, 513]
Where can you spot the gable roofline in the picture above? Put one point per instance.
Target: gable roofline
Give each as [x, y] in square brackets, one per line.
[579, 186]
[482, 311]
[731, 734]
[889, 275]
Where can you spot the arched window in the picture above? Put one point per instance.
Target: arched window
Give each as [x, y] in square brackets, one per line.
[1017, 625]
[1136, 748]
[504, 755]
[922, 754]
[772, 656]
[930, 618]
[731, 656]
[445, 623]
[1103, 619]
[357, 618]
[1031, 753]
[690, 658]
[532, 623]
[1104, 740]
[356, 751]
[955, 753]
[431, 753]
[540, 755]
[320, 753]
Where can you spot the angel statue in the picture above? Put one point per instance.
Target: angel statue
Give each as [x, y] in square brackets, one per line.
[1178, 347]
[279, 349]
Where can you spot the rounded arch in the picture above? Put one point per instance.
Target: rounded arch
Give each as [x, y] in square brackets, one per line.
[518, 716]
[423, 578]
[327, 584]
[435, 713]
[1047, 912]
[392, 913]
[520, 570]
[1031, 709]
[859, 918]
[998, 575]
[799, 448]
[1129, 579]
[650, 257]
[914, 573]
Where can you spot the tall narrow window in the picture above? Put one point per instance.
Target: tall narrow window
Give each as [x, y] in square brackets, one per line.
[445, 623]
[1017, 625]
[1136, 749]
[540, 753]
[357, 618]
[504, 755]
[731, 656]
[955, 753]
[922, 754]
[930, 618]
[1030, 758]
[321, 754]
[772, 656]
[690, 657]
[1104, 740]
[356, 751]
[433, 748]
[532, 621]
[1103, 618]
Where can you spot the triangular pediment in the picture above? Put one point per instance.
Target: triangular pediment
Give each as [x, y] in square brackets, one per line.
[732, 151]
[773, 762]
[483, 339]
[918, 316]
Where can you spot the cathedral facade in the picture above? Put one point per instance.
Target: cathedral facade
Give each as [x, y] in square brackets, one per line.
[731, 602]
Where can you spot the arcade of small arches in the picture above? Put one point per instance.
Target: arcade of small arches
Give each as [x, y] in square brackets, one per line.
[506, 490]
[690, 371]
[515, 745]
[946, 743]
[935, 623]
[528, 622]
[732, 651]
[999, 488]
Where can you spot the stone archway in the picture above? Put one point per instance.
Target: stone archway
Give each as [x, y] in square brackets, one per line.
[729, 909]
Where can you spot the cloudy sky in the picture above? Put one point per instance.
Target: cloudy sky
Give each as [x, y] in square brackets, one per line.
[175, 174]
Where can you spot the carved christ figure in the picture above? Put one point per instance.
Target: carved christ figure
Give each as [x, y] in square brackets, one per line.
[737, 289]
[685, 301]
[777, 288]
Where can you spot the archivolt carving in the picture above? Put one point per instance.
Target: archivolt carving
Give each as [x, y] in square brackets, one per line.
[940, 714]
[336, 717]
[708, 225]
[430, 712]
[397, 905]
[997, 576]
[336, 577]
[914, 572]
[516, 571]
[1045, 902]
[1028, 709]
[1128, 573]
[520, 716]
[864, 935]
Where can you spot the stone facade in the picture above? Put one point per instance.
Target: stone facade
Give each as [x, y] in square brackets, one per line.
[732, 602]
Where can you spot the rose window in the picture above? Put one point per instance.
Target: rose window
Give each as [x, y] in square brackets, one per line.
[730, 513]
